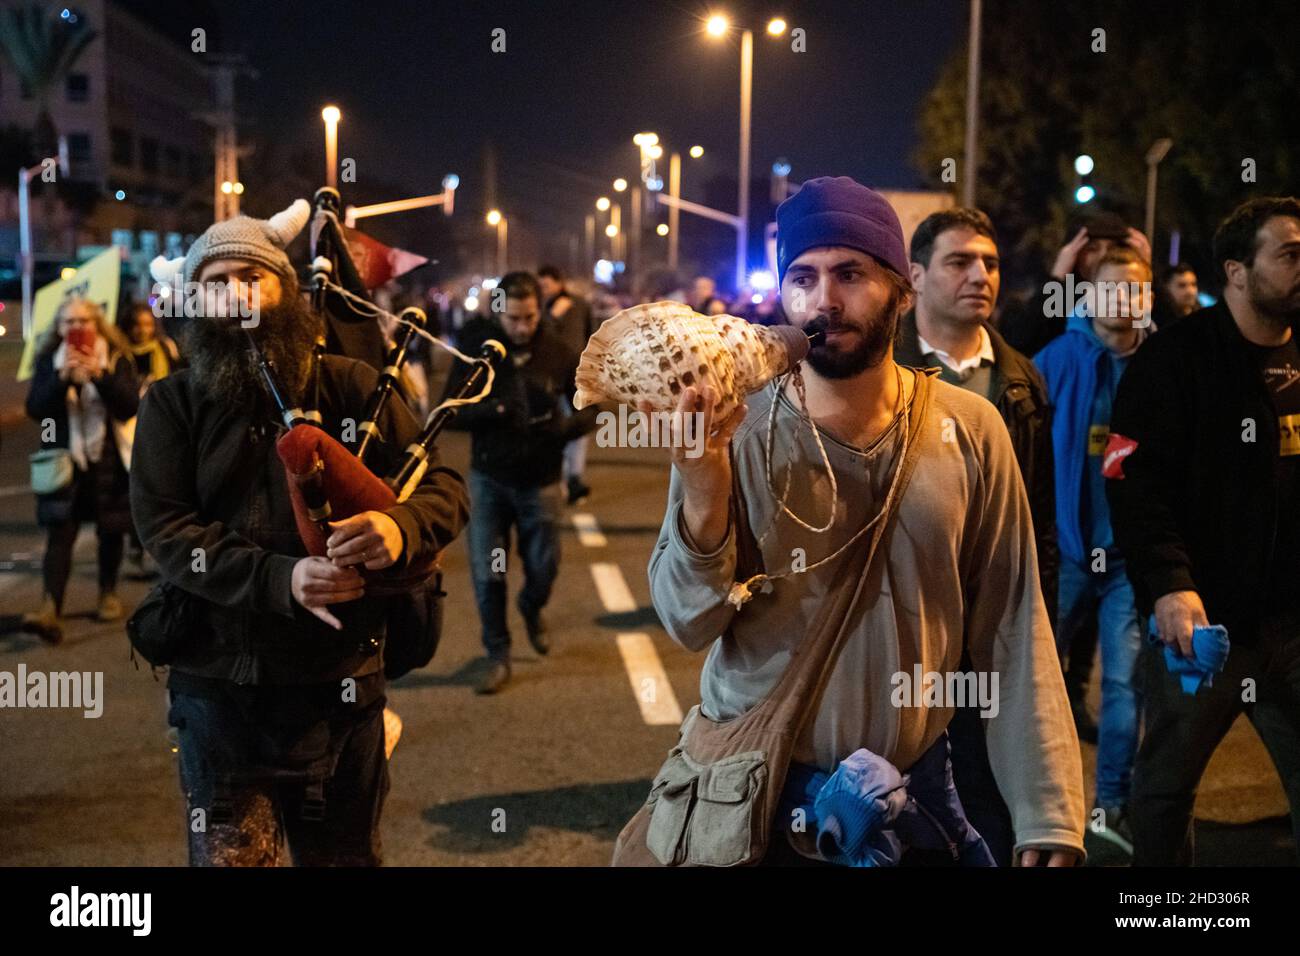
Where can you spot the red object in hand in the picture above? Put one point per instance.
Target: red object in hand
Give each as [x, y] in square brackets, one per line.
[319, 470]
[81, 338]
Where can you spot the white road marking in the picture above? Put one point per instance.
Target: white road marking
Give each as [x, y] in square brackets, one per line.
[650, 686]
[589, 532]
[613, 590]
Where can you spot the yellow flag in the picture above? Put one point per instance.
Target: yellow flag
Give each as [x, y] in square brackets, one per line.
[97, 281]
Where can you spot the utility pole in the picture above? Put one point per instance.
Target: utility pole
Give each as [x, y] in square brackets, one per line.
[674, 215]
[970, 173]
[226, 188]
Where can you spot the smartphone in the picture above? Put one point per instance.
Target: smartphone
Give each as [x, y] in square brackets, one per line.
[81, 338]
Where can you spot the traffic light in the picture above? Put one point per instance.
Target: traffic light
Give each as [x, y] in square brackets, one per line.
[1083, 189]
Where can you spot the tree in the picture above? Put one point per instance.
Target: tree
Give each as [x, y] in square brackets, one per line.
[42, 47]
[1219, 79]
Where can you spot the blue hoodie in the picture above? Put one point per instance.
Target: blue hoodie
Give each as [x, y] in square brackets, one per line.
[1082, 376]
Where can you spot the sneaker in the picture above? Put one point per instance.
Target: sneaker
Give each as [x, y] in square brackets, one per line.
[392, 731]
[578, 492]
[110, 607]
[45, 623]
[536, 628]
[1112, 825]
[497, 676]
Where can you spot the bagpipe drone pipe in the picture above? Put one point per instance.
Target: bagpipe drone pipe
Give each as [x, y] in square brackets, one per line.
[327, 482]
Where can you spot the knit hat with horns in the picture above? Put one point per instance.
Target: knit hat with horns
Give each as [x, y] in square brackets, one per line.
[262, 241]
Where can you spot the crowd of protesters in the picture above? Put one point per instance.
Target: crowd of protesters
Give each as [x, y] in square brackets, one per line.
[1165, 434]
[1157, 444]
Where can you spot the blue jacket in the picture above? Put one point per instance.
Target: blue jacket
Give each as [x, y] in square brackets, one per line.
[1071, 365]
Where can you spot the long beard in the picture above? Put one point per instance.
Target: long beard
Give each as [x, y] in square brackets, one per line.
[874, 342]
[225, 366]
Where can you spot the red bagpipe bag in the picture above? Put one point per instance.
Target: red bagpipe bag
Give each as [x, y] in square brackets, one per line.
[328, 483]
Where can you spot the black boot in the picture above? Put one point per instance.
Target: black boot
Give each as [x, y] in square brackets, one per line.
[535, 626]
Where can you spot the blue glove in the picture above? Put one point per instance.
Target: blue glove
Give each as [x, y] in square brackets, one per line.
[1210, 649]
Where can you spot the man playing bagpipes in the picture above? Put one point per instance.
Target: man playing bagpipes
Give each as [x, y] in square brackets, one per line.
[277, 680]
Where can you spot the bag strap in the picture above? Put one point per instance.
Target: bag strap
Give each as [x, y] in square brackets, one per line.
[749, 559]
[798, 692]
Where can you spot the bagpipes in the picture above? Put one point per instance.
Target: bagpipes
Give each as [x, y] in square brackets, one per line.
[327, 482]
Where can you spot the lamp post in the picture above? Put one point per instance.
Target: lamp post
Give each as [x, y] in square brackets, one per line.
[972, 106]
[718, 26]
[1158, 151]
[494, 218]
[446, 199]
[330, 115]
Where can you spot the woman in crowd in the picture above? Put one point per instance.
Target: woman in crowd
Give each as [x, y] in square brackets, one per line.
[84, 395]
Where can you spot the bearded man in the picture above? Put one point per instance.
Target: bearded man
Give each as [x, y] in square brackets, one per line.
[956, 567]
[278, 694]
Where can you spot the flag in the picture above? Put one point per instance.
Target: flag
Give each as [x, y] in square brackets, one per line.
[377, 263]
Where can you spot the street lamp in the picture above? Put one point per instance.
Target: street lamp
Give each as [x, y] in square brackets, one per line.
[1158, 151]
[330, 115]
[494, 218]
[662, 229]
[620, 184]
[603, 203]
[697, 152]
[717, 26]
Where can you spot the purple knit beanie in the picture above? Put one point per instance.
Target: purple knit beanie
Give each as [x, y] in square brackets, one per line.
[838, 211]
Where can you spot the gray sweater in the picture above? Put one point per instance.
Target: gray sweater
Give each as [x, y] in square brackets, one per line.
[959, 568]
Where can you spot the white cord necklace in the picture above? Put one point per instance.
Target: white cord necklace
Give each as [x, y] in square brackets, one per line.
[741, 592]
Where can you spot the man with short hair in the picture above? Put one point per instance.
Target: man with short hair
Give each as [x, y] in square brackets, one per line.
[1203, 469]
[1031, 327]
[955, 272]
[1177, 297]
[1082, 370]
[518, 437]
[278, 693]
[957, 563]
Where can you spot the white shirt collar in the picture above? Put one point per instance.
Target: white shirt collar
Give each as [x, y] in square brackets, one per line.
[983, 357]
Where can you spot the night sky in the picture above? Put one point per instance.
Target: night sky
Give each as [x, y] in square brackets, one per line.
[420, 90]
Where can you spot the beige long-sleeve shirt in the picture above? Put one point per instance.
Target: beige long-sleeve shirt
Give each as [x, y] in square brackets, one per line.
[959, 567]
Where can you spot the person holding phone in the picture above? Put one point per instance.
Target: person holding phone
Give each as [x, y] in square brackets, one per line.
[84, 397]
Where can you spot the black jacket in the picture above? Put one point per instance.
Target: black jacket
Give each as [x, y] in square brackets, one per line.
[47, 399]
[207, 477]
[1196, 508]
[1020, 397]
[1026, 326]
[519, 431]
[575, 327]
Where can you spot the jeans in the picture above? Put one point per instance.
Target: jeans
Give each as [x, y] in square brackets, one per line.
[261, 764]
[495, 507]
[1183, 731]
[1120, 637]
